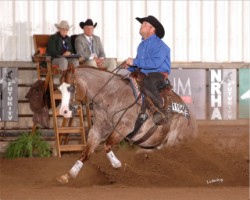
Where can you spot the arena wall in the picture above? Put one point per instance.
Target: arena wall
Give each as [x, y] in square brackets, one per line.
[27, 76]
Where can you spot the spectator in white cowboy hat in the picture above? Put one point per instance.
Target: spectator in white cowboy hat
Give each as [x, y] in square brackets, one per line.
[90, 48]
[59, 47]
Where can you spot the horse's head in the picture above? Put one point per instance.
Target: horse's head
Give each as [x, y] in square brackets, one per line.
[72, 94]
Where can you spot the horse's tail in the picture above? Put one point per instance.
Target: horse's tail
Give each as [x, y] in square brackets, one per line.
[182, 129]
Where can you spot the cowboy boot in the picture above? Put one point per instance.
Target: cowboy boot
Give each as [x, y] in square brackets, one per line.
[152, 87]
[159, 117]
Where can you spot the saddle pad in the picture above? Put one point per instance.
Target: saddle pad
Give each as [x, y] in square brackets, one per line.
[138, 95]
[174, 103]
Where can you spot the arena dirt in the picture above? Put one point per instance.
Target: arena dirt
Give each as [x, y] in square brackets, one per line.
[213, 166]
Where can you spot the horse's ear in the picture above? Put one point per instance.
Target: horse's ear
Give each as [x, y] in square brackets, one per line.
[62, 78]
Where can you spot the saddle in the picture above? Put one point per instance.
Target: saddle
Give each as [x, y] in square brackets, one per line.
[172, 102]
[136, 81]
[161, 115]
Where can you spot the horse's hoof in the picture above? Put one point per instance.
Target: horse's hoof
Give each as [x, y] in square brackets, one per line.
[116, 164]
[63, 178]
[114, 161]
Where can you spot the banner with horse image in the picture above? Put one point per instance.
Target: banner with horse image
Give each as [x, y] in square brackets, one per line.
[223, 94]
[244, 93]
[9, 94]
[190, 85]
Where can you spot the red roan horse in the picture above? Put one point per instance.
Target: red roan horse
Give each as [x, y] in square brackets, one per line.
[115, 114]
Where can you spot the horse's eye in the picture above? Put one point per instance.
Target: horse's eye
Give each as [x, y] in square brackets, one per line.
[71, 88]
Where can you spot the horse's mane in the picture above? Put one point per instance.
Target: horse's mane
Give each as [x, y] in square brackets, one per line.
[99, 83]
[102, 74]
[98, 69]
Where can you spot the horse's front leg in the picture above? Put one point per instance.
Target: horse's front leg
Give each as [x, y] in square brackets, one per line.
[112, 140]
[92, 144]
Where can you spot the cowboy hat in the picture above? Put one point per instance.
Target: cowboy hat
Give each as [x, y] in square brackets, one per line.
[88, 22]
[63, 24]
[159, 29]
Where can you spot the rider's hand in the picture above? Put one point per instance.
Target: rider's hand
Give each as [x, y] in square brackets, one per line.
[129, 61]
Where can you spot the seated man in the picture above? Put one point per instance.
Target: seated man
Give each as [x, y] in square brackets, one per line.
[90, 48]
[59, 47]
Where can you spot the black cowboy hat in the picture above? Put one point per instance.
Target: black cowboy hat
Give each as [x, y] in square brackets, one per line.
[88, 22]
[159, 29]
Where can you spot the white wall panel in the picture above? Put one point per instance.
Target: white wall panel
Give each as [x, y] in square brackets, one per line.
[7, 31]
[206, 31]
[153, 8]
[22, 27]
[167, 19]
[124, 29]
[51, 16]
[65, 10]
[37, 20]
[80, 14]
[246, 30]
[180, 30]
[135, 25]
[194, 31]
[109, 27]
[235, 35]
[95, 12]
[222, 31]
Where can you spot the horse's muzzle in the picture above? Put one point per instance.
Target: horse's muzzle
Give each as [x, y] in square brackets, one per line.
[65, 112]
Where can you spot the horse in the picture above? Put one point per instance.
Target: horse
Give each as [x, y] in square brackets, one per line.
[115, 112]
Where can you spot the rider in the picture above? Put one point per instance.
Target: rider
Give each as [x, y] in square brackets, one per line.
[153, 58]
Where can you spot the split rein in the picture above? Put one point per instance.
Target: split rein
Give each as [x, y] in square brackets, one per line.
[74, 107]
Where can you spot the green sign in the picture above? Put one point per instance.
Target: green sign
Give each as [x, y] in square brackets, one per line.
[244, 93]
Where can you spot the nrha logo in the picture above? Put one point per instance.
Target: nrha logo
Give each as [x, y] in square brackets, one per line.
[216, 94]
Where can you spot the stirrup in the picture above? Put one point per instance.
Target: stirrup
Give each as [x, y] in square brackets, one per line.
[159, 118]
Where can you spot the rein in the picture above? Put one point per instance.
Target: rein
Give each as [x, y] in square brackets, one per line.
[125, 109]
[100, 89]
[117, 68]
[104, 85]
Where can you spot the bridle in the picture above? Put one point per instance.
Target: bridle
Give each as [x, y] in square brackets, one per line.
[74, 104]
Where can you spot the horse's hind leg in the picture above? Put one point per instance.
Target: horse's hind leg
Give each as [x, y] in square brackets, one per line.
[110, 142]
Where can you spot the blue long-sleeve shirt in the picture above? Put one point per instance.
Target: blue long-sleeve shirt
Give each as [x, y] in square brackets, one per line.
[153, 55]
